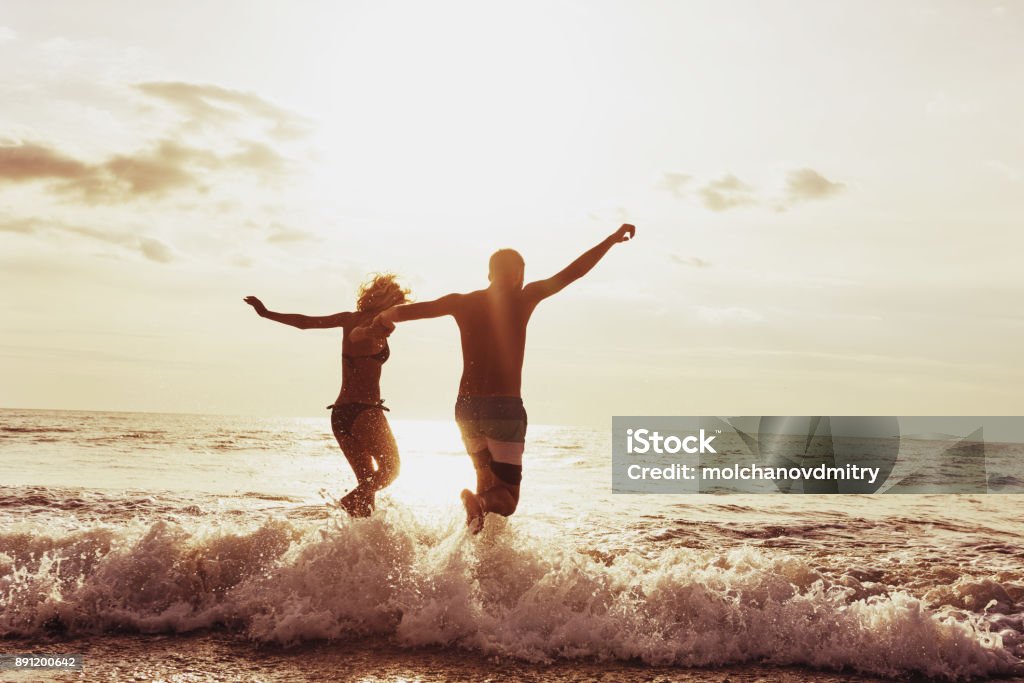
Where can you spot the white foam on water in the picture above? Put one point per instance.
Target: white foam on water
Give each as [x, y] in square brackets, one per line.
[422, 582]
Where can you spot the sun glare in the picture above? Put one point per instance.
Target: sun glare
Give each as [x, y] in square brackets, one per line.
[464, 121]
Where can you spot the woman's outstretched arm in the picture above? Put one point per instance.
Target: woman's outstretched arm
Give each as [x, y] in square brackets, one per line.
[303, 322]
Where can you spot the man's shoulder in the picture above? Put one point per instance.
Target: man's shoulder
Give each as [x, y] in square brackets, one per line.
[475, 295]
[485, 298]
[458, 301]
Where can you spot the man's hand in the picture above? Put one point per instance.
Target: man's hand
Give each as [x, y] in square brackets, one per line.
[383, 325]
[257, 304]
[372, 330]
[623, 234]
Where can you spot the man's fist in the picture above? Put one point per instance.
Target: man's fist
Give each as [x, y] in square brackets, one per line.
[383, 325]
[625, 233]
[257, 304]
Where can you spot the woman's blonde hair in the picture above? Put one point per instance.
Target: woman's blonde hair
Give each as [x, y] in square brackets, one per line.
[381, 292]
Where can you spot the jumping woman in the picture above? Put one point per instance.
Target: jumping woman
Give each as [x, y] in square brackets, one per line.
[357, 415]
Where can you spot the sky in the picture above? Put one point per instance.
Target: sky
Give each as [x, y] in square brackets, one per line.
[829, 200]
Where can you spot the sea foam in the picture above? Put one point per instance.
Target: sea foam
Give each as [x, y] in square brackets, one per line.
[416, 582]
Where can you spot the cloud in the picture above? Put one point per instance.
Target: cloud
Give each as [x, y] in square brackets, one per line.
[7, 34]
[225, 131]
[674, 183]
[691, 261]
[149, 247]
[92, 233]
[259, 157]
[807, 184]
[151, 172]
[205, 105]
[283, 235]
[728, 192]
[155, 250]
[26, 162]
[22, 226]
[169, 165]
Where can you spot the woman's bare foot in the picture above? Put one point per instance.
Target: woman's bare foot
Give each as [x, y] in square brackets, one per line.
[474, 511]
[356, 504]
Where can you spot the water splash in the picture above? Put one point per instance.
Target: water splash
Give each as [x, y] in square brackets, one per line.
[417, 582]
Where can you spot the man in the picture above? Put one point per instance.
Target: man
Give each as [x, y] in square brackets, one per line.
[489, 408]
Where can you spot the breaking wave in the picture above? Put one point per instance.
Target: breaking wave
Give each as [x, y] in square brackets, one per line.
[420, 583]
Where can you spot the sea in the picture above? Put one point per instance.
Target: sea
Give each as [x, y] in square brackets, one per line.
[199, 547]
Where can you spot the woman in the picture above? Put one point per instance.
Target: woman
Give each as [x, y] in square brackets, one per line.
[357, 416]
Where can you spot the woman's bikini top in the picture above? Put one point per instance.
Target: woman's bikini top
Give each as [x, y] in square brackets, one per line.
[381, 356]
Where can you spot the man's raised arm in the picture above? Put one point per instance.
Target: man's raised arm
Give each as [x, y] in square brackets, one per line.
[574, 271]
[446, 305]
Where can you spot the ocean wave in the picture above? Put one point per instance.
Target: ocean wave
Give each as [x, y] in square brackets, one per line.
[423, 583]
[33, 500]
[35, 430]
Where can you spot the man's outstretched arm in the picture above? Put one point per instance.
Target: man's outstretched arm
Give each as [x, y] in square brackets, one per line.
[574, 271]
[446, 305]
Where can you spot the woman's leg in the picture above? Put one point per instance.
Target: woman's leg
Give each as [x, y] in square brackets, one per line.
[359, 501]
[375, 435]
[372, 451]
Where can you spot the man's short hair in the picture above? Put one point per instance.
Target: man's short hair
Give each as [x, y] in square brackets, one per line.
[506, 261]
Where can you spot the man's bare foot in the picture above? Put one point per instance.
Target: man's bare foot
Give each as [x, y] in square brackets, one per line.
[474, 511]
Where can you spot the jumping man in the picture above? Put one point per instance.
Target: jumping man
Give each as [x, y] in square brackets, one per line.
[489, 409]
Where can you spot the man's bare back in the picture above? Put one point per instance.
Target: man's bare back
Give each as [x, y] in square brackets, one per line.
[492, 324]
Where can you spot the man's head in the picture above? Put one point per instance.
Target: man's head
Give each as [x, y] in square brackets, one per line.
[507, 269]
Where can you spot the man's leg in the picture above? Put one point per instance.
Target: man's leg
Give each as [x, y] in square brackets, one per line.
[502, 499]
[492, 426]
[495, 495]
[473, 502]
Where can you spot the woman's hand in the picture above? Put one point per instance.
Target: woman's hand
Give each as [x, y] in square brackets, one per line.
[257, 304]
